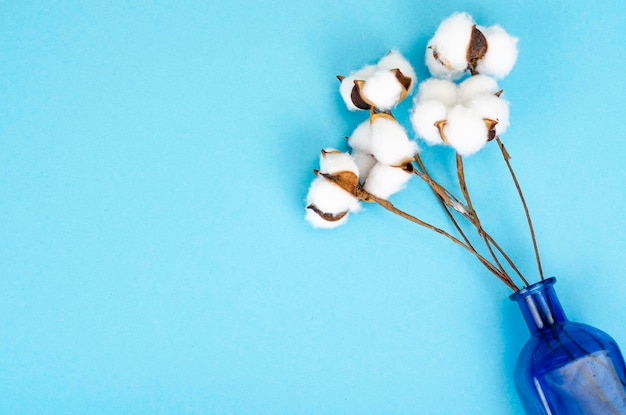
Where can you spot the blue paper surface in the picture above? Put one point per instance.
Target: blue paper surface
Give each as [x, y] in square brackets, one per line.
[154, 160]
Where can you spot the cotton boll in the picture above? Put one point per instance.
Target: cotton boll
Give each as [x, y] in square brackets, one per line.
[360, 138]
[476, 85]
[438, 89]
[364, 162]
[382, 89]
[423, 118]
[493, 108]
[328, 198]
[395, 60]
[450, 44]
[347, 83]
[333, 161]
[389, 141]
[501, 52]
[465, 130]
[383, 180]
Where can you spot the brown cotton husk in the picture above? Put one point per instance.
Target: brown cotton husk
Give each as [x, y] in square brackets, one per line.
[357, 98]
[491, 128]
[405, 81]
[346, 179]
[477, 49]
[440, 125]
[407, 166]
[329, 217]
[374, 115]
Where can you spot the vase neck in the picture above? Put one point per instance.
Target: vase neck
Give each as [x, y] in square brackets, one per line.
[540, 306]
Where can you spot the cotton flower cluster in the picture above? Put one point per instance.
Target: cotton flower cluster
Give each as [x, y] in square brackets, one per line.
[465, 116]
[460, 45]
[380, 162]
[379, 86]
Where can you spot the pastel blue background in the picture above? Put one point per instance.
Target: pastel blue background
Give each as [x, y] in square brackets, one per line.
[154, 159]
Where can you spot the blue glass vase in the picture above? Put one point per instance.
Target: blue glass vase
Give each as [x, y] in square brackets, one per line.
[566, 368]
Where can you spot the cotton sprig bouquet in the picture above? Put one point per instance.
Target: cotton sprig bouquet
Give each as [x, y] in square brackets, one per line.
[461, 106]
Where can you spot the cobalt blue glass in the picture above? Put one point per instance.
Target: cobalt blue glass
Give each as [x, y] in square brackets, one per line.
[566, 368]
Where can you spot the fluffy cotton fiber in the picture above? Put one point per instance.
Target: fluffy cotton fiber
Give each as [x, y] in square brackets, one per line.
[334, 161]
[389, 143]
[446, 56]
[328, 198]
[465, 130]
[383, 181]
[380, 86]
[501, 54]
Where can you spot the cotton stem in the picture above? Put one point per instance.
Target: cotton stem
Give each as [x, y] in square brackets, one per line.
[507, 157]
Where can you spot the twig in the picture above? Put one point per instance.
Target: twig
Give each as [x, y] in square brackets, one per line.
[506, 156]
[368, 197]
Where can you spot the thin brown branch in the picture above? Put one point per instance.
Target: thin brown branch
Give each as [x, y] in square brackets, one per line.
[368, 197]
[489, 241]
[507, 157]
[445, 202]
[479, 228]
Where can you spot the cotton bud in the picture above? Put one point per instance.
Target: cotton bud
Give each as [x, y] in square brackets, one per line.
[382, 90]
[491, 107]
[347, 88]
[389, 143]
[460, 45]
[465, 130]
[425, 117]
[328, 205]
[380, 86]
[394, 60]
[331, 194]
[446, 55]
[501, 54]
[383, 180]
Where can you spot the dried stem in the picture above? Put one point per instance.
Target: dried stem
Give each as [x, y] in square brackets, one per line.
[489, 241]
[445, 197]
[507, 157]
[368, 197]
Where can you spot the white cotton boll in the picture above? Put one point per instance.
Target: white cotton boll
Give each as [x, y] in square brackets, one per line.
[438, 89]
[465, 130]
[389, 142]
[360, 138]
[423, 118]
[395, 60]
[382, 89]
[493, 108]
[476, 85]
[501, 52]
[333, 161]
[364, 162]
[383, 180]
[450, 43]
[329, 198]
[345, 88]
